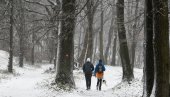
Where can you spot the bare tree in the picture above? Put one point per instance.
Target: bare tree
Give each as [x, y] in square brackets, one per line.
[64, 74]
[91, 9]
[101, 32]
[83, 52]
[10, 64]
[157, 47]
[148, 50]
[21, 32]
[113, 61]
[161, 48]
[110, 33]
[124, 53]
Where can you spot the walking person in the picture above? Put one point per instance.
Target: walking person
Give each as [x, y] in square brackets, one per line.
[88, 69]
[99, 72]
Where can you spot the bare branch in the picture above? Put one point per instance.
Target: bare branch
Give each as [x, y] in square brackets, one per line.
[35, 12]
[43, 5]
[82, 8]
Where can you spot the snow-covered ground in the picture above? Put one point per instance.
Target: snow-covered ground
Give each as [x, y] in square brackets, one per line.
[35, 81]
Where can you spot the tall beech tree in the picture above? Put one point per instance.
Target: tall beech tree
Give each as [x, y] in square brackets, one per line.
[148, 50]
[161, 48]
[64, 74]
[124, 53]
[156, 29]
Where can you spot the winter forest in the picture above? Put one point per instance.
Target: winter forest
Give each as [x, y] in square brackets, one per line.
[47, 46]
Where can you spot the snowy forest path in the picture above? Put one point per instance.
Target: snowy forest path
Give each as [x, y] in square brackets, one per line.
[23, 85]
[111, 75]
[36, 82]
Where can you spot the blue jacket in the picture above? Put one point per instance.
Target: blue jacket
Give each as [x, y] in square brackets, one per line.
[97, 67]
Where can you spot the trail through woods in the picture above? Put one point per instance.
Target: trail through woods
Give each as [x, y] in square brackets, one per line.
[35, 82]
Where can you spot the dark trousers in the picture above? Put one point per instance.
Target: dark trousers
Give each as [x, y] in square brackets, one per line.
[99, 84]
[88, 81]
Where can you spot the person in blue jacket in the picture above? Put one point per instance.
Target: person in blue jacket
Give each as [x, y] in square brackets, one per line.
[99, 72]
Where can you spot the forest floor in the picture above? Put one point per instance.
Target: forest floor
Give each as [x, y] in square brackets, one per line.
[35, 81]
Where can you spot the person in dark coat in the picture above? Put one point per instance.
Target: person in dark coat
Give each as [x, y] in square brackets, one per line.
[88, 69]
[99, 72]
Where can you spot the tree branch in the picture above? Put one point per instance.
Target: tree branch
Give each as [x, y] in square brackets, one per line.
[35, 12]
[31, 2]
[82, 8]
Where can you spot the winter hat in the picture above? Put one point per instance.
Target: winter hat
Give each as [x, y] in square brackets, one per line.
[100, 60]
[88, 59]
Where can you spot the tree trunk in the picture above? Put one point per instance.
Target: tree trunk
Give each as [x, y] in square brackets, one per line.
[10, 65]
[21, 33]
[90, 17]
[109, 41]
[95, 47]
[32, 49]
[83, 52]
[161, 48]
[51, 44]
[110, 36]
[56, 46]
[124, 53]
[64, 76]
[148, 50]
[79, 43]
[101, 34]
[134, 36]
[113, 63]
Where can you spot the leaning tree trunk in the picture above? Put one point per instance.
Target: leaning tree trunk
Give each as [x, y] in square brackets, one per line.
[64, 76]
[124, 54]
[161, 48]
[10, 65]
[148, 50]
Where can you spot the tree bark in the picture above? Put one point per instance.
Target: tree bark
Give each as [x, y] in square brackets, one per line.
[79, 42]
[33, 48]
[124, 53]
[110, 35]
[161, 47]
[101, 33]
[148, 50]
[21, 33]
[90, 18]
[113, 63]
[56, 46]
[83, 52]
[10, 64]
[64, 76]
[134, 36]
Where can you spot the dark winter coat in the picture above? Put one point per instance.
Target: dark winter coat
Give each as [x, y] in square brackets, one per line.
[88, 68]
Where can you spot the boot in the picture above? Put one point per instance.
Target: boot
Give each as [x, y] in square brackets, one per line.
[97, 87]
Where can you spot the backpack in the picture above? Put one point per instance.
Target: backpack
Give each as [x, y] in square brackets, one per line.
[88, 68]
[100, 68]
